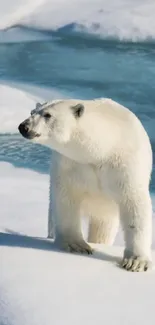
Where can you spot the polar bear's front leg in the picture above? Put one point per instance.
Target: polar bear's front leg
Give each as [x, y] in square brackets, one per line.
[66, 212]
[67, 221]
[51, 230]
[136, 218]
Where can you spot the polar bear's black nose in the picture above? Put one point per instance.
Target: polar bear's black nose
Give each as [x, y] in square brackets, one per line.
[24, 128]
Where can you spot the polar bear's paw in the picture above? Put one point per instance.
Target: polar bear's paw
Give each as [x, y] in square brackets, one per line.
[76, 247]
[136, 264]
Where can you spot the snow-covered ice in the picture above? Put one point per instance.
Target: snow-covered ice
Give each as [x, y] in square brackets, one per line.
[17, 100]
[42, 286]
[131, 20]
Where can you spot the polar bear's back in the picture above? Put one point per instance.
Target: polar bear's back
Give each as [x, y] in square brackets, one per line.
[113, 117]
[118, 128]
[108, 107]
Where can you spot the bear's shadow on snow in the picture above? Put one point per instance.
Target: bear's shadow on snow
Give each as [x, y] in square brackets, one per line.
[14, 239]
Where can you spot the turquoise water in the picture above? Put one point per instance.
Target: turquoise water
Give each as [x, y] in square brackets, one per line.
[78, 66]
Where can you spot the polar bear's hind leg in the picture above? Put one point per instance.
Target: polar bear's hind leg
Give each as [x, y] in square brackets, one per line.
[104, 219]
[103, 230]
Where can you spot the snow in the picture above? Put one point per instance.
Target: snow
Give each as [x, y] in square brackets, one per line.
[131, 20]
[12, 11]
[40, 285]
[10, 118]
[26, 190]
[16, 102]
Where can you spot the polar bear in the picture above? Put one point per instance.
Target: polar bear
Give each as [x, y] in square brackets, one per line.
[101, 168]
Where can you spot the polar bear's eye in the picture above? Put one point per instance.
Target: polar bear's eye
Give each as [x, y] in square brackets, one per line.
[47, 115]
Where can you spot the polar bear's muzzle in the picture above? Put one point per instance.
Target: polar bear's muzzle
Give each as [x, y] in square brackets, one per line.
[26, 131]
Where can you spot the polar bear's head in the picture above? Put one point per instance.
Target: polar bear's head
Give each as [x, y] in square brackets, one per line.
[52, 123]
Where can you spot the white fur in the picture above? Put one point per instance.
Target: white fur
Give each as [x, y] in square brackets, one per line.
[101, 167]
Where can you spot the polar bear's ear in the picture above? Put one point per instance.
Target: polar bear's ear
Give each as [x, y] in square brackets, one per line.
[38, 105]
[78, 110]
